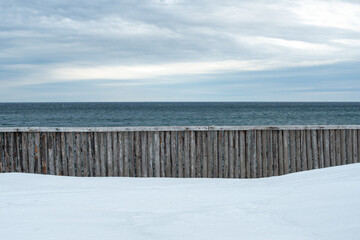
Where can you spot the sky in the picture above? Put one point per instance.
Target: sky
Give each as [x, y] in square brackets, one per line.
[174, 50]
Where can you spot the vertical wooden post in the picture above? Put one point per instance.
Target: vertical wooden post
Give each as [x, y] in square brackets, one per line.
[259, 155]
[78, 165]
[198, 154]
[91, 151]
[186, 155]
[253, 163]
[298, 150]
[31, 152]
[157, 154]
[58, 162]
[97, 143]
[144, 164]
[221, 153]
[43, 153]
[210, 155]
[71, 156]
[231, 154]
[216, 154]
[286, 151]
[292, 151]
[51, 156]
[24, 150]
[349, 146]
[84, 149]
[173, 154]
[304, 159]
[180, 155]
[64, 157]
[242, 154]
[122, 154]
[281, 153]
[237, 155]
[116, 156]
[327, 148]
[127, 154]
[355, 145]
[205, 157]
[162, 154]
[150, 157]
[321, 148]
[168, 154]
[192, 154]
[109, 155]
[309, 151]
[342, 147]
[1, 153]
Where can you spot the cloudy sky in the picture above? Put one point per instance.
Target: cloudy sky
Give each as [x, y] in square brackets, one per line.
[174, 50]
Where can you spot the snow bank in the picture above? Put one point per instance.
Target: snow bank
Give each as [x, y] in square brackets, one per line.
[318, 204]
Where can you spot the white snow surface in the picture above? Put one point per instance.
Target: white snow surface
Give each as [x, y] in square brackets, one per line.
[317, 204]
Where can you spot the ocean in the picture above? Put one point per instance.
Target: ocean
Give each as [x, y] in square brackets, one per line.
[177, 114]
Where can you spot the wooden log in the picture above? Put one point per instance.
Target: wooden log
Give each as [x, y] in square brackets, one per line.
[358, 145]
[1, 153]
[24, 150]
[221, 153]
[349, 146]
[275, 153]
[58, 162]
[270, 159]
[309, 150]
[343, 146]
[150, 157]
[103, 151]
[127, 154]
[264, 138]
[122, 154]
[286, 151]
[321, 148]
[78, 164]
[132, 158]
[338, 148]
[51, 155]
[31, 146]
[332, 148]
[43, 153]
[84, 148]
[162, 154]
[355, 146]
[253, 154]
[180, 154]
[157, 154]
[91, 151]
[231, 155]
[242, 154]
[210, 155]
[292, 151]
[259, 154]
[192, 154]
[13, 153]
[7, 141]
[71, 155]
[216, 154]
[64, 157]
[174, 162]
[186, 155]
[237, 154]
[198, 154]
[304, 160]
[327, 148]
[109, 155]
[205, 157]
[97, 142]
[168, 154]
[226, 154]
[298, 151]
[281, 153]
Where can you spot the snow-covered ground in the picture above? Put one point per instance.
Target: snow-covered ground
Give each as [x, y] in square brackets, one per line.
[318, 204]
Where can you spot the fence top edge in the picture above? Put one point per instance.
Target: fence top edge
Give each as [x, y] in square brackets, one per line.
[175, 128]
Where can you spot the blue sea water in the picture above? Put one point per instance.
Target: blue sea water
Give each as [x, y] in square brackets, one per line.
[177, 114]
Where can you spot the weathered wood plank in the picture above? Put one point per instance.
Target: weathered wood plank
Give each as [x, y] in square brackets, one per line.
[237, 154]
[186, 155]
[349, 146]
[127, 155]
[192, 154]
[298, 150]
[174, 162]
[78, 164]
[216, 154]
[24, 151]
[58, 162]
[358, 145]
[84, 149]
[242, 154]
[116, 156]
[180, 154]
[338, 148]
[355, 146]
[292, 151]
[122, 154]
[144, 164]
[309, 150]
[2, 168]
[221, 154]
[31, 145]
[18, 152]
[286, 151]
[51, 155]
[253, 154]
[343, 146]
[226, 154]
[97, 143]
[304, 159]
[204, 153]
[168, 154]
[210, 154]
[71, 154]
[198, 154]
[150, 154]
[281, 153]
[109, 155]
[231, 154]
[7, 152]
[326, 148]
[43, 153]
[162, 154]
[37, 160]
[276, 152]
[315, 149]
[332, 148]
[157, 154]
[132, 159]
[13, 153]
[321, 148]
[259, 155]
[264, 138]
[64, 157]
[91, 152]
[103, 154]
[270, 162]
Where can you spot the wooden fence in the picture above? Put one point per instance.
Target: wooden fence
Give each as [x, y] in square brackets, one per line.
[213, 152]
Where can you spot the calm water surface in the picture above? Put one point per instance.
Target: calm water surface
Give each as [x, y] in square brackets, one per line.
[176, 114]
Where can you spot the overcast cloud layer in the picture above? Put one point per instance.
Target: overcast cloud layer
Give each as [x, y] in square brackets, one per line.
[179, 50]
